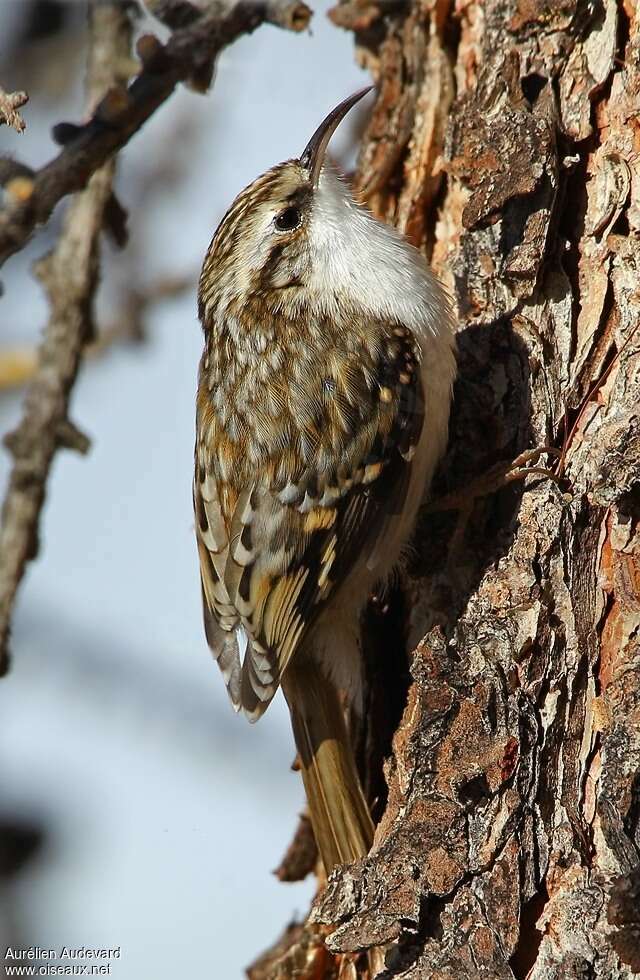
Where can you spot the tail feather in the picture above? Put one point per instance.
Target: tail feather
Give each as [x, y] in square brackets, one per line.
[339, 813]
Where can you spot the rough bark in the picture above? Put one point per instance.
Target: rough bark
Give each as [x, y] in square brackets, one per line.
[505, 143]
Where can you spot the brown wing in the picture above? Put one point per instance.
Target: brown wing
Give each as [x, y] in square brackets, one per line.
[272, 552]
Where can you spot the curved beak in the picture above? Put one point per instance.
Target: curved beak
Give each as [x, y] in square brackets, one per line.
[312, 157]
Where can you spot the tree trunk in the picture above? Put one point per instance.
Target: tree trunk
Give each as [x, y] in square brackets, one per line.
[506, 143]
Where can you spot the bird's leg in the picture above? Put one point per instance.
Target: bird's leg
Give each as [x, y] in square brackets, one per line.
[495, 479]
[490, 482]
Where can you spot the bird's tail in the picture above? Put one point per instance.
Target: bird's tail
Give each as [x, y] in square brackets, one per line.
[339, 813]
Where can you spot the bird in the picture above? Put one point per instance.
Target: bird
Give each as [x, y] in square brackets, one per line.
[322, 409]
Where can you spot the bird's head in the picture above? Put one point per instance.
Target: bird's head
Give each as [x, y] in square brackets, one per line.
[274, 244]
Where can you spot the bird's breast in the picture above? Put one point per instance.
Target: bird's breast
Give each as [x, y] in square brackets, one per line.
[282, 399]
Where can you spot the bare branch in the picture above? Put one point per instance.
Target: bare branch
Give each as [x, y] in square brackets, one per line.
[188, 56]
[10, 102]
[69, 275]
[18, 366]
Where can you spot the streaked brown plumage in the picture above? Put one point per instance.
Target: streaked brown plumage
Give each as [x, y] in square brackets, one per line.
[327, 345]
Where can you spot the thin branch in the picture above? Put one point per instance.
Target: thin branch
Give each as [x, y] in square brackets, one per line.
[188, 56]
[10, 102]
[69, 275]
[18, 366]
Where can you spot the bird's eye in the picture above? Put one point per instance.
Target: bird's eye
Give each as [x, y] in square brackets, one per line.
[288, 219]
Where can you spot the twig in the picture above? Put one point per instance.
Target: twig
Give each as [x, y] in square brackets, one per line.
[129, 324]
[188, 56]
[20, 365]
[10, 102]
[69, 275]
[494, 479]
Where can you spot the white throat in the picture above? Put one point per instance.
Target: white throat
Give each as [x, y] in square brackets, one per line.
[376, 267]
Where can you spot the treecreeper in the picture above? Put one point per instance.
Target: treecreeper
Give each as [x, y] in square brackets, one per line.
[323, 403]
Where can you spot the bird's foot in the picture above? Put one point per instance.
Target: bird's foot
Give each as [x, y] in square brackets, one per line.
[494, 479]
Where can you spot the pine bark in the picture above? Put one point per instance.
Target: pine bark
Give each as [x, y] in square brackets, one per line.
[505, 143]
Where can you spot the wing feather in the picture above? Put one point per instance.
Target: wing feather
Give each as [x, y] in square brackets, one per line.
[272, 551]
